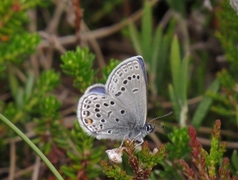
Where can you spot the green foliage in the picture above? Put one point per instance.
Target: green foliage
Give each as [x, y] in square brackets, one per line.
[114, 171]
[206, 163]
[178, 89]
[205, 104]
[152, 46]
[18, 47]
[30, 97]
[30, 144]
[228, 35]
[79, 64]
[47, 81]
[178, 6]
[16, 42]
[178, 146]
[14, 16]
[176, 149]
[30, 103]
[234, 160]
[226, 103]
[104, 9]
[83, 158]
[179, 86]
[34, 101]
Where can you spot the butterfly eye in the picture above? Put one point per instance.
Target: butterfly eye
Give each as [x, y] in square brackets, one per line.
[149, 128]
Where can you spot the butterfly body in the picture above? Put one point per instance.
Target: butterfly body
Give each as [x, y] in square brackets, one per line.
[118, 109]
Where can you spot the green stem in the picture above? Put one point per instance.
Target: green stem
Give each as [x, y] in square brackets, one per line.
[32, 145]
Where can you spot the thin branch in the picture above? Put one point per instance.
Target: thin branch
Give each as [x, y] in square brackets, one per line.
[95, 46]
[36, 170]
[12, 160]
[99, 33]
[53, 24]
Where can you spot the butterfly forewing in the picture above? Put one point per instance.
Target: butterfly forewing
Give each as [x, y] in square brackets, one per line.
[127, 83]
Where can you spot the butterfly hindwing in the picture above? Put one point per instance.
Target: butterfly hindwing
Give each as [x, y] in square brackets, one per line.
[103, 116]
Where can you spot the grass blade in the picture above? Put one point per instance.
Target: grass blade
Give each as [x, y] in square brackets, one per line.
[204, 105]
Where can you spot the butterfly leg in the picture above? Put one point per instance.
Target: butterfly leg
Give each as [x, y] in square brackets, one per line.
[138, 142]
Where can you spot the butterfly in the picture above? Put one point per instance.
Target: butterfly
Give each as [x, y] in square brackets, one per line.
[118, 109]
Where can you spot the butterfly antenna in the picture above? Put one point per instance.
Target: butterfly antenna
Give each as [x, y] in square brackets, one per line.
[161, 117]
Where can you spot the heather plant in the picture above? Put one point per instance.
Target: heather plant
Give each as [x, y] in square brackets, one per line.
[187, 74]
[206, 163]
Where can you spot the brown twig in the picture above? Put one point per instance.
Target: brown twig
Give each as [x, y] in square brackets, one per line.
[95, 46]
[99, 33]
[53, 24]
[12, 160]
[36, 170]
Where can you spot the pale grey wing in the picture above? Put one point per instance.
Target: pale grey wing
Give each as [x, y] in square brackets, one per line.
[102, 116]
[128, 83]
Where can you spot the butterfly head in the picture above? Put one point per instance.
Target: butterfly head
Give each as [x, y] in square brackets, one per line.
[149, 128]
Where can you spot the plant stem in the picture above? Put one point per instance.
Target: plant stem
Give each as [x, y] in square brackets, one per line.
[32, 145]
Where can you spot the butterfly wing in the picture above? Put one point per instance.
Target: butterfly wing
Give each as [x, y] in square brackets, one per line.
[118, 109]
[128, 84]
[103, 116]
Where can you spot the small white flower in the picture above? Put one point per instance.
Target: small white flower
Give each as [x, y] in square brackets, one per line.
[115, 155]
[155, 150]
